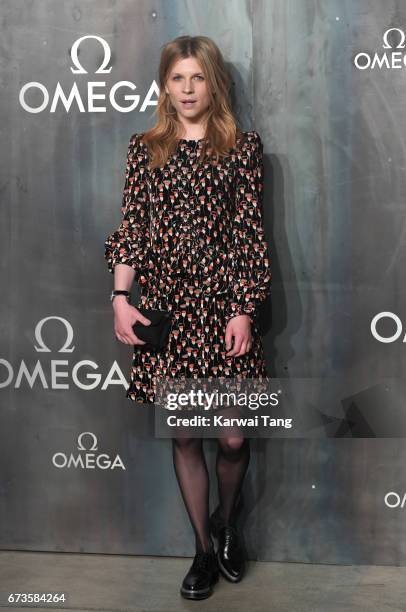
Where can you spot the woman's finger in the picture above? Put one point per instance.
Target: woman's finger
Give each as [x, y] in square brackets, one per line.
[237, 346]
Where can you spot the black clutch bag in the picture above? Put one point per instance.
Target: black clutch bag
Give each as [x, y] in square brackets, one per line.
[155, 335]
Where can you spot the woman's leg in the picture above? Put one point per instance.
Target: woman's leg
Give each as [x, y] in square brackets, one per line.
[193, 479]
[233, 456]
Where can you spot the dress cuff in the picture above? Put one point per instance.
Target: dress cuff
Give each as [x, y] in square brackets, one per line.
[120, 249]
[241, 303]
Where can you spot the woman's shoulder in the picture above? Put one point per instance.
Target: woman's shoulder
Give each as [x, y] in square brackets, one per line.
[249, 138]
[249, 144]
[243, 138]
[136, 139]
[137, 146]
[137, 152]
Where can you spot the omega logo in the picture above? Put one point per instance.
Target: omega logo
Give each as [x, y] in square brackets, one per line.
[59, 96]
[42, 348]
[396, 59]
[74, 56]
[401, 44]
[88, 460]
[61, 373]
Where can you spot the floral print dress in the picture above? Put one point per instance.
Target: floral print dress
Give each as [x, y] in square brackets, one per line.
[193, 232]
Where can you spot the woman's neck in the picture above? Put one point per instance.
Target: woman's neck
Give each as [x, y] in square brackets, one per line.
[195, 134]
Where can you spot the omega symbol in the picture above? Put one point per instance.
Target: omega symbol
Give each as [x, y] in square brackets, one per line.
[42, 348]
[74, 56]
[87, 433]
[401, 44]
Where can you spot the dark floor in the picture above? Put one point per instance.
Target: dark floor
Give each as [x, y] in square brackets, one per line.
[151, 584]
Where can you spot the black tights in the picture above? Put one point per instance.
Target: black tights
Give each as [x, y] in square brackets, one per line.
[233, 455]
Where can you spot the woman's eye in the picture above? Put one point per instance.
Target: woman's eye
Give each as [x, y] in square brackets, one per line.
[198, 76]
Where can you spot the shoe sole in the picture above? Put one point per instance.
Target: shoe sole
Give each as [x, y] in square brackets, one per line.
[201, 594]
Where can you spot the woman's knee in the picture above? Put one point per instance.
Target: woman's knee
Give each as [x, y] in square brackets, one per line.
[230, 444]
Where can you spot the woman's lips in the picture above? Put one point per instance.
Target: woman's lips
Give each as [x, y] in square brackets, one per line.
[188, 104]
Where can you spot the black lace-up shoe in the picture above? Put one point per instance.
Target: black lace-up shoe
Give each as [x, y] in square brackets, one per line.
[202, 575]
[230, 555]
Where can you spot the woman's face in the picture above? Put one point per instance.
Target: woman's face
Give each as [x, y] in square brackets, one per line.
[186, 81]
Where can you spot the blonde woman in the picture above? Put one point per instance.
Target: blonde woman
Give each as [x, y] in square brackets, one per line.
[192, 237]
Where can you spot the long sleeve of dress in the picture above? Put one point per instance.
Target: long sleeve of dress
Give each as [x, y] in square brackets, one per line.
[130, 243]
[250, 266]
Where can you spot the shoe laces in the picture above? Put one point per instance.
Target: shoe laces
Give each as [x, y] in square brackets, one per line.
[230, 537]
[201, 560]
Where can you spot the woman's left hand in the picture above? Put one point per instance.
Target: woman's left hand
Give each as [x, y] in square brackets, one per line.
[239, 328]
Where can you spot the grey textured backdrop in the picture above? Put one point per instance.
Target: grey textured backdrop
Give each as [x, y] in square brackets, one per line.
[335, 219]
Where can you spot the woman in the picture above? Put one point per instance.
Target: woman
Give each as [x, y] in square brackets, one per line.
[192, 237]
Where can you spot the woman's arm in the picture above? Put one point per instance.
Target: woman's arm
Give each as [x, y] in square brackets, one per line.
[127, 249]
[129, 244]
[251, 274]
[123, 278]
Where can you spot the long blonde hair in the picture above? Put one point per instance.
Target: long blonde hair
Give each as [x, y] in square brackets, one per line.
[221, 130]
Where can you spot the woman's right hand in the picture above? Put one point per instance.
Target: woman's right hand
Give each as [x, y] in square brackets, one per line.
[125, 316]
